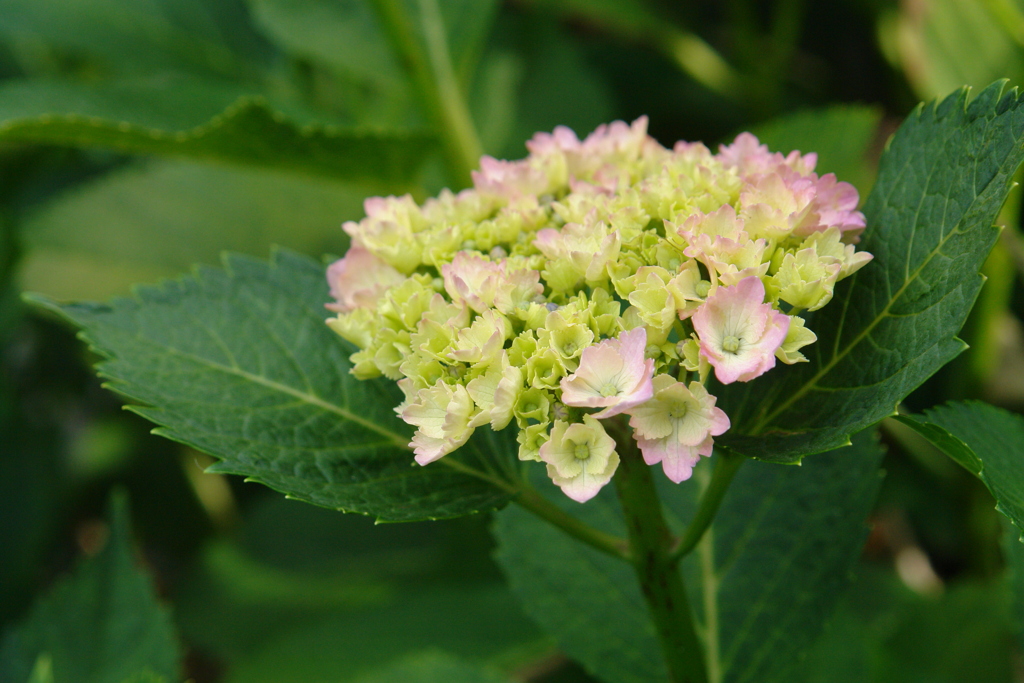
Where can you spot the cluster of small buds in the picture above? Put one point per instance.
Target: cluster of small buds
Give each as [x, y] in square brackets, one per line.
[591, 279]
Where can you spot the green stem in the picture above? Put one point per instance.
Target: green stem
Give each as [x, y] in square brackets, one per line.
[530, 500]
[429, 64]
[548, 511]
[726, 466]
[656, 569]
[677, 325]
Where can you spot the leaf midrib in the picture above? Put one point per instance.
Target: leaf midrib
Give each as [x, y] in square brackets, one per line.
[308, 398]
[312, 399]
[305, 397]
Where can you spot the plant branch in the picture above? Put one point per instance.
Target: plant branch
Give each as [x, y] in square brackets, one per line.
[658, 572]
[726, 465]
[429, 64]
[530, 500]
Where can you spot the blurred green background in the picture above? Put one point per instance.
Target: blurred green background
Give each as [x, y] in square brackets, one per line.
[139, 137]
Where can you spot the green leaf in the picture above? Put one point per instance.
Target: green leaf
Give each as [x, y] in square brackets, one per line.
[477, 623]
[468, 24]
[1013, 553]
[940, 184]
[102, 624]
[763, 581]
[125, 36]
[782, 554]
[347, 35]
[239, 363]
[31, 466]
[885, 633]
[151, 220]
[351, 64]
[946, 44]
[987, 441]
[344, 35]
[427, 40]
[817, 131]
[334, 608]
[205, 120]
[432, 666]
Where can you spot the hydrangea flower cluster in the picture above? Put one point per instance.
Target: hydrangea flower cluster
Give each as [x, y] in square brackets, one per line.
[594, 278]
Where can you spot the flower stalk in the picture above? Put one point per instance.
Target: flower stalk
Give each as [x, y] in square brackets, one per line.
[657, 569]
[727, 464]
[530, 500]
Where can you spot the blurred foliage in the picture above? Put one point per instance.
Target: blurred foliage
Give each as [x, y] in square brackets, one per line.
[139, 137]
[102, 624]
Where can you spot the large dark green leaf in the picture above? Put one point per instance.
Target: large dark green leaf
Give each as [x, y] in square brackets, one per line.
[987, 441]
[152, 220]
[763, 581]
[207, 120]
[239, 363]
[100, 625]
[780, 554]
[941, 182]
